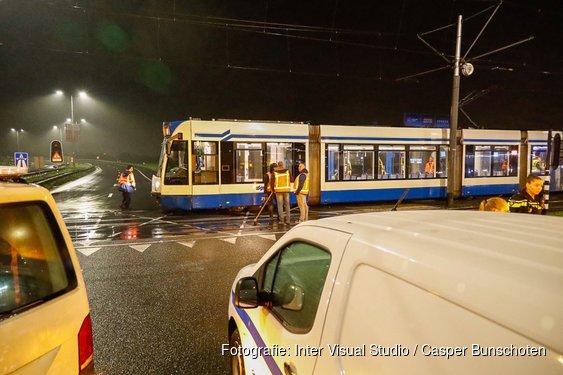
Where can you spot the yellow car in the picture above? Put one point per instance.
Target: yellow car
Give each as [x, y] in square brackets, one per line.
[45, 325]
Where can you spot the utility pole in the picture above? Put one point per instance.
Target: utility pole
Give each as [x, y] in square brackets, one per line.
[453, 117]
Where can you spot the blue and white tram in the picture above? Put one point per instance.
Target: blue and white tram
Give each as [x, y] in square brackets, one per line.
[221, 164]
[361, 163]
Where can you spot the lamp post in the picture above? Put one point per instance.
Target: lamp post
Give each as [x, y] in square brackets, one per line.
[74, 126]
[55, 127]
[17, 131]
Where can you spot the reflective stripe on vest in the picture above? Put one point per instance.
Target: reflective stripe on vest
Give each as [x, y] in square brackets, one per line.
[305, 189]
[281, 184]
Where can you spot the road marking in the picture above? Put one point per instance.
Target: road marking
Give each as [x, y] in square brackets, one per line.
[110, 195]
[140, 248]
[88, 250]
[268, 236]
[232, 240]
[189, 244]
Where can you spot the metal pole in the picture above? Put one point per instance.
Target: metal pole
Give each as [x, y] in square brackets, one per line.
[73, 125]
[72, 110]
[453, 117]
[18, 140]
[547, 180]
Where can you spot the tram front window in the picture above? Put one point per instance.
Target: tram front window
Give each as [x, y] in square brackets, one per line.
[176, 172]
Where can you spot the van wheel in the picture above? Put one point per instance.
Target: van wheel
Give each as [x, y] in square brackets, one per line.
[237, 361]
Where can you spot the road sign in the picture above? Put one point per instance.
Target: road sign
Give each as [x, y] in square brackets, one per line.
[21, 159]
[56, 152]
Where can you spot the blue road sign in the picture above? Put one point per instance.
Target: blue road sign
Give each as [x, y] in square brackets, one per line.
[21, 159]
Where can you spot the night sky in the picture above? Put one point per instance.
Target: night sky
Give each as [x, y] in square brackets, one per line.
[143, 62]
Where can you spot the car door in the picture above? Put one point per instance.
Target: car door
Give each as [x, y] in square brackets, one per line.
[299, 280]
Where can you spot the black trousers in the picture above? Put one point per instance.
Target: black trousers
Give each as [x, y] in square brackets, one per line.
[126, 201]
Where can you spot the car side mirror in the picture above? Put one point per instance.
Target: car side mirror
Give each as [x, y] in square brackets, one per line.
[292, 298]
[246, 293]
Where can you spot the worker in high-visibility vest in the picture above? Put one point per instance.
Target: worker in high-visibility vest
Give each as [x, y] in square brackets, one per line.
[282, 187]
[269, 189]
[301, 192]
[127, 186]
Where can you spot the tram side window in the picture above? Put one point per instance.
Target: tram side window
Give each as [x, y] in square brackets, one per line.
[477, 161]
[205, 162]
[248, 162]
[491, 161]
[537, 160]
[422, 161]
[291, 154]
[505, 161]
[391, 162]
[298, 154]
[176, 172]
[333, 164]
[442, 166]
[358, 162]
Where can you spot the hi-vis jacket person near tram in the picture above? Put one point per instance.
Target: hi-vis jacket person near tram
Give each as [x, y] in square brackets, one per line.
[282, 187]
[529, 200]
[302, 190]
[127, 186]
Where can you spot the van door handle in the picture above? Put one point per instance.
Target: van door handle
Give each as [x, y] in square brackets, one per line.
[289, 369]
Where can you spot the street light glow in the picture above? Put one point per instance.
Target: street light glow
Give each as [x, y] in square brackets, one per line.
[83, 121]
[83, 94]
[59, 92]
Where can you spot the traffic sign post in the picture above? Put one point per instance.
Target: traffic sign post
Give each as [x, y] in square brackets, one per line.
[21, 159]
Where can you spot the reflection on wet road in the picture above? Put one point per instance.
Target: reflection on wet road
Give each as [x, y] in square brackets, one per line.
[89, 207]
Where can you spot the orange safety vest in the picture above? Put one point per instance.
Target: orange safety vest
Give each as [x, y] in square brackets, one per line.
[305, 189]
[281, 183]
[129, 179]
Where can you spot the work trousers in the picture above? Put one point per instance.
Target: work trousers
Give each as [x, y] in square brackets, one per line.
[303, 208]
[283, 207]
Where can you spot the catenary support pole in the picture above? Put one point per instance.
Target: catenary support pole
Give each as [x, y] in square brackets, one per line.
[453, 117]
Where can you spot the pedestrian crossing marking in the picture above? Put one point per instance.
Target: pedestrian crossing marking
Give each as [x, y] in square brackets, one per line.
[88, 250]
[232, 240]
[140, 248]
[268, 236]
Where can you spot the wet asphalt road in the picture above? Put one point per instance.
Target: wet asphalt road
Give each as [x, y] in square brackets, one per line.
[159, 284]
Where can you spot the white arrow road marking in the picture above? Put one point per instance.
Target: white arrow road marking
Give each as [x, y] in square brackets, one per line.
[232, 240]
[110, 195]
[189, 244]
[268, 236]
[140, 248]
[88, 250]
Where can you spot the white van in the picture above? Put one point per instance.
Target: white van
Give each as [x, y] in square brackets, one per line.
[410, 292]
[45, 325]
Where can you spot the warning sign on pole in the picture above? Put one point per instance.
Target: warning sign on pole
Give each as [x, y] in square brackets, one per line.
[56, 152]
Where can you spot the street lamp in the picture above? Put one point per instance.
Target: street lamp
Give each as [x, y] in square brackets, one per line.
[55, 127]
[17, 131]
[74, 126]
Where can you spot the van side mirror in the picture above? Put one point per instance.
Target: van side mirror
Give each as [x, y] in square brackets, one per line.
[246, 293]
[292, 298]
[556, 150]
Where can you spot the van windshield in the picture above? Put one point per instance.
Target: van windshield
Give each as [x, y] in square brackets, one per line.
[34, 262]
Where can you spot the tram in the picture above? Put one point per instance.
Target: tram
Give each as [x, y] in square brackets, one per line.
[221, 164]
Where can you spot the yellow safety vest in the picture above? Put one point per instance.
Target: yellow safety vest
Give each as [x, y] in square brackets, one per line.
[281, 184]
[305, 189]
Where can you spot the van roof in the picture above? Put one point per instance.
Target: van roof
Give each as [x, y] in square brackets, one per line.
[507, 268]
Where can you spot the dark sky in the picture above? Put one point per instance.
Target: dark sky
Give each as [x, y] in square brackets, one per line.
[323, 61]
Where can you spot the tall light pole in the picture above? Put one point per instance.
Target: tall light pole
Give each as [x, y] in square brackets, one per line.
[74, 126]
[17, 131]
